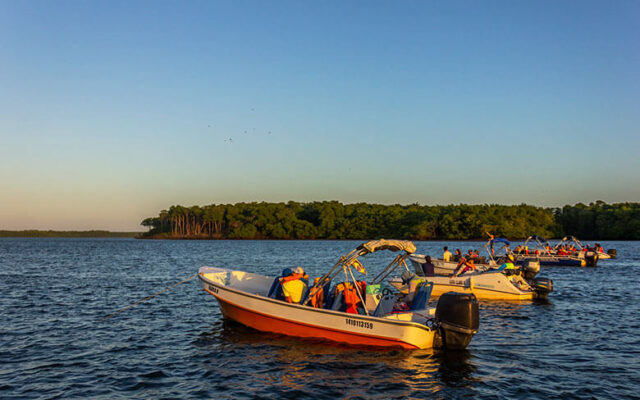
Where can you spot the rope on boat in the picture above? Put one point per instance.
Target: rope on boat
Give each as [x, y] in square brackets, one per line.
[149, 297]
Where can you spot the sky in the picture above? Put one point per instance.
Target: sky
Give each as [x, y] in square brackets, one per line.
[111, 111]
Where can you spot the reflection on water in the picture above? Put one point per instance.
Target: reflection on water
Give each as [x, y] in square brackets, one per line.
[291, 363]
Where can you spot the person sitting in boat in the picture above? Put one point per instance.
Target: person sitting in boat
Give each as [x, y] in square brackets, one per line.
[458, 256]
[446, 256]
[599, 248]
[428, 268]
[299, 271]
[463, 266]
[413, 281]
[508, 266]
[292, 286]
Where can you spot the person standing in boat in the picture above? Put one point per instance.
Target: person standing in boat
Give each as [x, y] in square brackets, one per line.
[446, 256]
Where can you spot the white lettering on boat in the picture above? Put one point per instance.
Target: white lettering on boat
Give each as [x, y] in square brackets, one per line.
[213, 289]
[359, 324]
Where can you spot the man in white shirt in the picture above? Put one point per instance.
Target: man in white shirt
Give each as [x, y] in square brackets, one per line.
[447, 254]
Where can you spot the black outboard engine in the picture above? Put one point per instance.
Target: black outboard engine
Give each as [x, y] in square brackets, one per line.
[530, 269]
[613, 253]
[458, 316]
[542, 287]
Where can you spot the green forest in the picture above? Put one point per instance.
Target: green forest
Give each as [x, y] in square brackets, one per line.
[334, 220]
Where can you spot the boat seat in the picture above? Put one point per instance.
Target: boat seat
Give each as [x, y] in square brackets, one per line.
[328, 295]
[385, 306]
[275, 292]
[305, 294]
[338, 302]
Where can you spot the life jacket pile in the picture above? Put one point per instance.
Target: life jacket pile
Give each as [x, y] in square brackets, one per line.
[316, 298]
[350, 295]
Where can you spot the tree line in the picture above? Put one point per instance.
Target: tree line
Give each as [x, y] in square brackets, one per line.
[334, 220]
[599, 220]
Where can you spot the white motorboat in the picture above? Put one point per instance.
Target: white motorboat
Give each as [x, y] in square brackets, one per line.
[248, 299]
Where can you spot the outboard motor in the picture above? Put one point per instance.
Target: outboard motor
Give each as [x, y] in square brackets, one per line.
[542, 287]
[530, 269]
[458, 316]
[613, 253]
[591, 257]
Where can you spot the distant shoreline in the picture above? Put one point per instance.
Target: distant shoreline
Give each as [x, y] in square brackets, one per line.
[34, 233]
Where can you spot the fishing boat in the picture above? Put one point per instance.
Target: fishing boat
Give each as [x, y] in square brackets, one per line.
[249, 299]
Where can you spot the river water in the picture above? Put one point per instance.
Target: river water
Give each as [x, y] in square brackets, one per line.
[583, 343]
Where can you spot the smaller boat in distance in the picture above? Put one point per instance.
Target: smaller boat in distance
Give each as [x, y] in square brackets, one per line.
[358, 314]
[495, 252]
[568, 252]
[496, 283]
[571, 242]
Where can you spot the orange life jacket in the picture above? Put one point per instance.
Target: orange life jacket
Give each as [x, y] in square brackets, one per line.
[291, 277]
[351, 298]
[317, 299]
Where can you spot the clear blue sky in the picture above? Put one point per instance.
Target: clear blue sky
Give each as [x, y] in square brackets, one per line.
[113, 110]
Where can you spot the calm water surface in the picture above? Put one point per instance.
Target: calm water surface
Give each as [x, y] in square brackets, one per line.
[583, 343]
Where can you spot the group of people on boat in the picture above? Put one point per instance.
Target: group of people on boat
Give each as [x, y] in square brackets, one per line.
[467, 264]
[293, 287]
[458, 256]
[522, 249]
[562, 250]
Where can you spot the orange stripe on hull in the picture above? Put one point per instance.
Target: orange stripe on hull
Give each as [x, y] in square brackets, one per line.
[268, 323]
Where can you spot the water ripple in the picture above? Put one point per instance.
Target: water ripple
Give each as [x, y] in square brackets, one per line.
[582, 343]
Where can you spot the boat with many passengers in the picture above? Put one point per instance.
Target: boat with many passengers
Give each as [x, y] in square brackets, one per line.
[352, 311]
[495, 252]
[568, 252]
[504, 282]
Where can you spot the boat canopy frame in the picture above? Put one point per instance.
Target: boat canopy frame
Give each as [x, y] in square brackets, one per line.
[346, 262]
[490, 247]
[572, 240]
[540, 243]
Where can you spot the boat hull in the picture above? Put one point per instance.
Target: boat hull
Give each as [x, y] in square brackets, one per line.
[275, 316]
[485, 286]
[555, 261]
